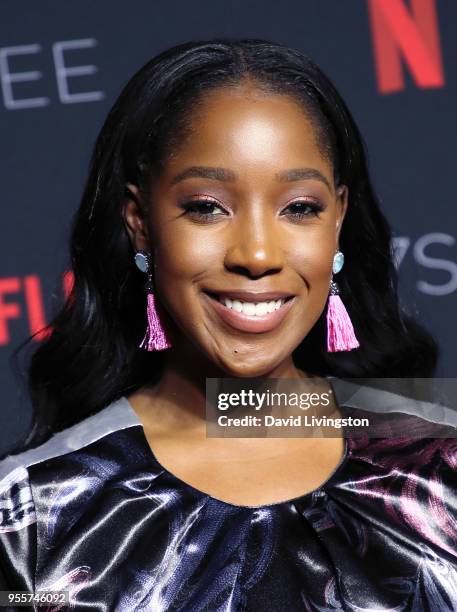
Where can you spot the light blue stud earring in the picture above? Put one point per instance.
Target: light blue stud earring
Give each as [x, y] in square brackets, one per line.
[338, 262]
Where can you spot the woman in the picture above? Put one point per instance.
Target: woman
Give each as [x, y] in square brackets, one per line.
[233, 176]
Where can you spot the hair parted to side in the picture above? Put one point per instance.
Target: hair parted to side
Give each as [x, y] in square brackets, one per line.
[92, 357]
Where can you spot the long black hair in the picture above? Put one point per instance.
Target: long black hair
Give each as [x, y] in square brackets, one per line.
[91, 357]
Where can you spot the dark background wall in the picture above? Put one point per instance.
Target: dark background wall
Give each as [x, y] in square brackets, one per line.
[63, 64]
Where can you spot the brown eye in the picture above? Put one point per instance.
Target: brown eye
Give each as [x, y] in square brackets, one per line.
[301, 209]
[203, 209]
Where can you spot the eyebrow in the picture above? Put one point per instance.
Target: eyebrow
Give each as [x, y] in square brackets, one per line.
[228, 176]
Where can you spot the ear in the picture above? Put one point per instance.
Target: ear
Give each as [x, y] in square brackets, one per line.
[342, 195]
[134, 213]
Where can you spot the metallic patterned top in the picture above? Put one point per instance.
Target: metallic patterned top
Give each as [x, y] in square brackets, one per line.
[93, 512]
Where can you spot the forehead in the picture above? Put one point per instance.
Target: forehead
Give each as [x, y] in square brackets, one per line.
[252, 125]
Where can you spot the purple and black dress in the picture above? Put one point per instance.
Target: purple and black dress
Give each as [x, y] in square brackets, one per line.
[92, 512]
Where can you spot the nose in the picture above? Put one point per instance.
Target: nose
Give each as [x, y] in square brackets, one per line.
[254, 246]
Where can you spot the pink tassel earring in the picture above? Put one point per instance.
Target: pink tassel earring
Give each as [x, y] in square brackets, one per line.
[340, 332]
[155, 338]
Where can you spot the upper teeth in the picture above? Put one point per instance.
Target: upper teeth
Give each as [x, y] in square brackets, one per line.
[253, 308]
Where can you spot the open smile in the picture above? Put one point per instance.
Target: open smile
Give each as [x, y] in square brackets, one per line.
[250, 312]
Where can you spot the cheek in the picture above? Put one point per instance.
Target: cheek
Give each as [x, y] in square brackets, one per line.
[311, 253]
[183, 257]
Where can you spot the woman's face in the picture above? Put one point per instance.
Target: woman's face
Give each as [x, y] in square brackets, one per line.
[245, 212]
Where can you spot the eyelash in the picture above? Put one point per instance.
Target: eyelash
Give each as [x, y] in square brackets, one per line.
[194, 207]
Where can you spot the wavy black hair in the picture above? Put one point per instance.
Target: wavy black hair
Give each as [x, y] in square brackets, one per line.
[91, 357]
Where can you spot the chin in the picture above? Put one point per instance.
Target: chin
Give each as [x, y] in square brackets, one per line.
[244, 368]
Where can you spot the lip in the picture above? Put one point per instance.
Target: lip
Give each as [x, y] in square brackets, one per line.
[251, 323]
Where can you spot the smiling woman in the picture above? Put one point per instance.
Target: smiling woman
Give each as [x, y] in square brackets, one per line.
[257, 234]
[232, 174]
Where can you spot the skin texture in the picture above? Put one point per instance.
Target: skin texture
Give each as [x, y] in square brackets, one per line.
[252, 241]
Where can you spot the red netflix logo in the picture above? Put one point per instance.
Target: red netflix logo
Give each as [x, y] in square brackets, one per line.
[408, 34]
[30, 287]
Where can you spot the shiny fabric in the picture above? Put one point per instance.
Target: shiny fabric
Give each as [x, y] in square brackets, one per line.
[107, 522]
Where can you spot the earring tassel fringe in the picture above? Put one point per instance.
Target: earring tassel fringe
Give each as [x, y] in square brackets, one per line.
[155, 338]
[340, 331]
